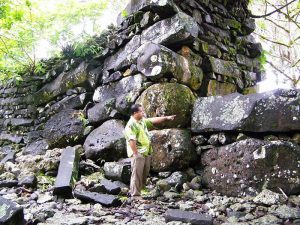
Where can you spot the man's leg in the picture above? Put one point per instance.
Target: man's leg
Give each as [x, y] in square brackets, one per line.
[146, 169]
[136, 181]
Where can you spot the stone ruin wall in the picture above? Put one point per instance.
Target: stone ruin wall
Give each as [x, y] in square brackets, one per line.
[219, 43]
[164, 55]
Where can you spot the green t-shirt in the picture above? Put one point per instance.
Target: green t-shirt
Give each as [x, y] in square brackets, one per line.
[138, 131]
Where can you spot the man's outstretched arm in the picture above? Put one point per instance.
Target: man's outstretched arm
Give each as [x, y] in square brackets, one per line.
[161, 119]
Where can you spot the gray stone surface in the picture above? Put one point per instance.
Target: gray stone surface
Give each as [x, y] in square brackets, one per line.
[275, 111]
[252, 165]
[120, 59]
[180, 28]
[118, 171]
[159, 61]
[219, 66]
[172, 150]
[143, 5]
[103, 199]
[10, 213]
[78, 77]
[67, 172]
[188, 217]
[10, 137]
[106, 186]
[64, 128]
[36, 148]
[106, 142]
[119, 96]
[70, 102]
[29, 180]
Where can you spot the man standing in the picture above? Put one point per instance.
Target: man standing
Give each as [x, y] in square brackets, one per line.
[139, 146]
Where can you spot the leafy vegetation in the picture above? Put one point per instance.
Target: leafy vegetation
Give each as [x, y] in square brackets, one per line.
[29, 26]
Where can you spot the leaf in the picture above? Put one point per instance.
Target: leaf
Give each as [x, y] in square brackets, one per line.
[124, 13]
[28, 3]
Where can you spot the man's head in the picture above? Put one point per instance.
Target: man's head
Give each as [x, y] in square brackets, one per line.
[137, 111]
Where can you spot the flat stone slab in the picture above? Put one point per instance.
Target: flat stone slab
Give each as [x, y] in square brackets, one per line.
[36, 148]
[10, 213]
[274, 111]
[107, 186]
[188, 217]
[77, 77]
[10, 137]
[8, 183]
[67, 172]
[17, 122]
[10, 157]
[103, 199]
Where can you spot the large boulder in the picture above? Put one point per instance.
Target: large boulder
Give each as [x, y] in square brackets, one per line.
[181, 28]
[158, 61]
[121, 58]
[64, 128]
[275, 111]
[115, 98]
[168, 99]
[172, 149]
[107, 142]
[70, 102]
[248, 166]
[78, 77]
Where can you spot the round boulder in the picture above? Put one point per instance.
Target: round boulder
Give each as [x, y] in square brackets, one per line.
[107, 142]
[172, 149]
[168, 99]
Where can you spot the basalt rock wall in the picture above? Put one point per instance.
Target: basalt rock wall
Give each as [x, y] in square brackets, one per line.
[171, 57]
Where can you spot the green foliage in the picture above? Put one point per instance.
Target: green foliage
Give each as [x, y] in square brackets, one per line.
[124, 13]
[263, 60]
[24, 23]
[81, 117]
[90, 47]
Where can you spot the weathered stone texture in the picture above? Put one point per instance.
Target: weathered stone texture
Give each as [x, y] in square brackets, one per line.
[172, 150]
[276, 111]
[107, 142]
[168, 99]
[249, 166]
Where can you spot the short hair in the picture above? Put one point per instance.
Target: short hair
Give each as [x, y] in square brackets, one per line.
[135, 108]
